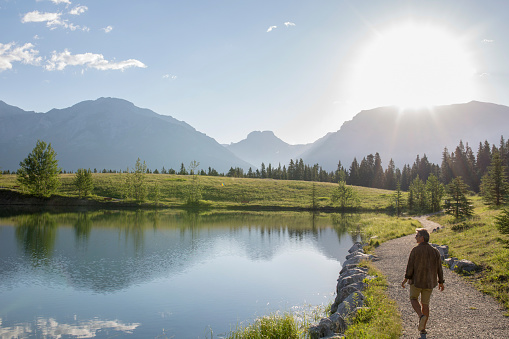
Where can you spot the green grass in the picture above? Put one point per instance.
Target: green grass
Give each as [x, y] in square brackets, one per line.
[225, 192]
[380, 318]
[273, 326]
[477, 239]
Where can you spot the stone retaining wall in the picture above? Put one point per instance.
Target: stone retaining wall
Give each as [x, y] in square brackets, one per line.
[349, 296]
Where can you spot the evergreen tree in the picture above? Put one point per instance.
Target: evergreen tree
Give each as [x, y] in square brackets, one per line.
[446, 172]
[398, 199]
[83, 182]
[182, 169]
[494, 186]
[417, 191]
[406, 178]
[378, 172]
[435, 192]
[483, 158]
[456, 202]
[390, 176]
[354, 175]
[38, 172]
[502, 222]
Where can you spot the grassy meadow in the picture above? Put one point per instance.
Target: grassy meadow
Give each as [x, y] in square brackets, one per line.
[223, 192]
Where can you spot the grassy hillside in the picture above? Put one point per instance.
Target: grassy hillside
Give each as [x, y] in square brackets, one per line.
[478, 239]
[224, 192]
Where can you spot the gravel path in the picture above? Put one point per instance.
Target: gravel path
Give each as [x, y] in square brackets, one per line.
[460, 311]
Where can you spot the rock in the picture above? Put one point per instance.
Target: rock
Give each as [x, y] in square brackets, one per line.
[350, 272]
[351, 279]
[358, 258]
[353, 301]
[355, 247]
[450, 262]
[361, 251]
[344, 292]
[464, 265]
[338, 323]
[323, 329]
[351, 267]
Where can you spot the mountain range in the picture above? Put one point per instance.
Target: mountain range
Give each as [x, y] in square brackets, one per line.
[112, 133]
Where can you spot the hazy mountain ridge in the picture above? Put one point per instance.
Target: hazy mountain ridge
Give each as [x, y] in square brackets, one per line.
[109, 133]
[112, 133]
[404, 134]
[265, 147]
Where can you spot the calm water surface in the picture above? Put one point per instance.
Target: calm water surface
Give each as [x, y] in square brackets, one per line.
[162, 274]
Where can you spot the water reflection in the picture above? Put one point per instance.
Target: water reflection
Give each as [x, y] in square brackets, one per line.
[50, 328]
[136, 265]
[36, 233]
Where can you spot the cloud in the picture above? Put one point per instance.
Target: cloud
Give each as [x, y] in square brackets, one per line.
[271, 28]
[60, 61]
[487, 41]
[78, 10]
[169, 76]
[107, 29]
[61, 2]
[10, 53]
[36, 16]
[52, 20]
[288, 24]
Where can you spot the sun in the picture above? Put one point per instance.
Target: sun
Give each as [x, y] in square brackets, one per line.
[413, 65]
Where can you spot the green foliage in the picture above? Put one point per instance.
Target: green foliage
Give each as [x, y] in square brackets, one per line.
[379, 318]
[39, 171]
[398, 199]
[83, 182]
[134, 185]
[417, 195]
[502, 222]
[494, 186]
[345, 196]
[457, 203]
[270, 327]
[193, 191]
[435, 192]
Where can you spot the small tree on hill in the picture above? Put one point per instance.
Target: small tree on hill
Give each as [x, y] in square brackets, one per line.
[456, 202]
[39, 171]
[83, 182]
[398, 199]
[502, 222]
[345, 196]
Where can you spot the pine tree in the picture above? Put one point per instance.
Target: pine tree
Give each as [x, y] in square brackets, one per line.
[494, 185]
[398, 199]
[418, 193]
[456, 202]
[39, 171]
[502, 222]
[435, 192]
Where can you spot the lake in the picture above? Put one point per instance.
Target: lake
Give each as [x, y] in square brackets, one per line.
[163, 274]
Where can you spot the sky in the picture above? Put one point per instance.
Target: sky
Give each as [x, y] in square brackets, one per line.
[227, 68]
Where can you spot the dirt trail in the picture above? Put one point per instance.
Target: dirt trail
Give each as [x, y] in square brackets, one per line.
[458, 312]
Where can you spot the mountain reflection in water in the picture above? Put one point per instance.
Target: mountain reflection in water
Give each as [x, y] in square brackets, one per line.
[135, 266]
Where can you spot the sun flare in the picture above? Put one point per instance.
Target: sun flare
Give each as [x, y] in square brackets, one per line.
[413, 66]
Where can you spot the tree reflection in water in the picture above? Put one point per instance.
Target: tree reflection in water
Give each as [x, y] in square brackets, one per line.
[36, 233]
